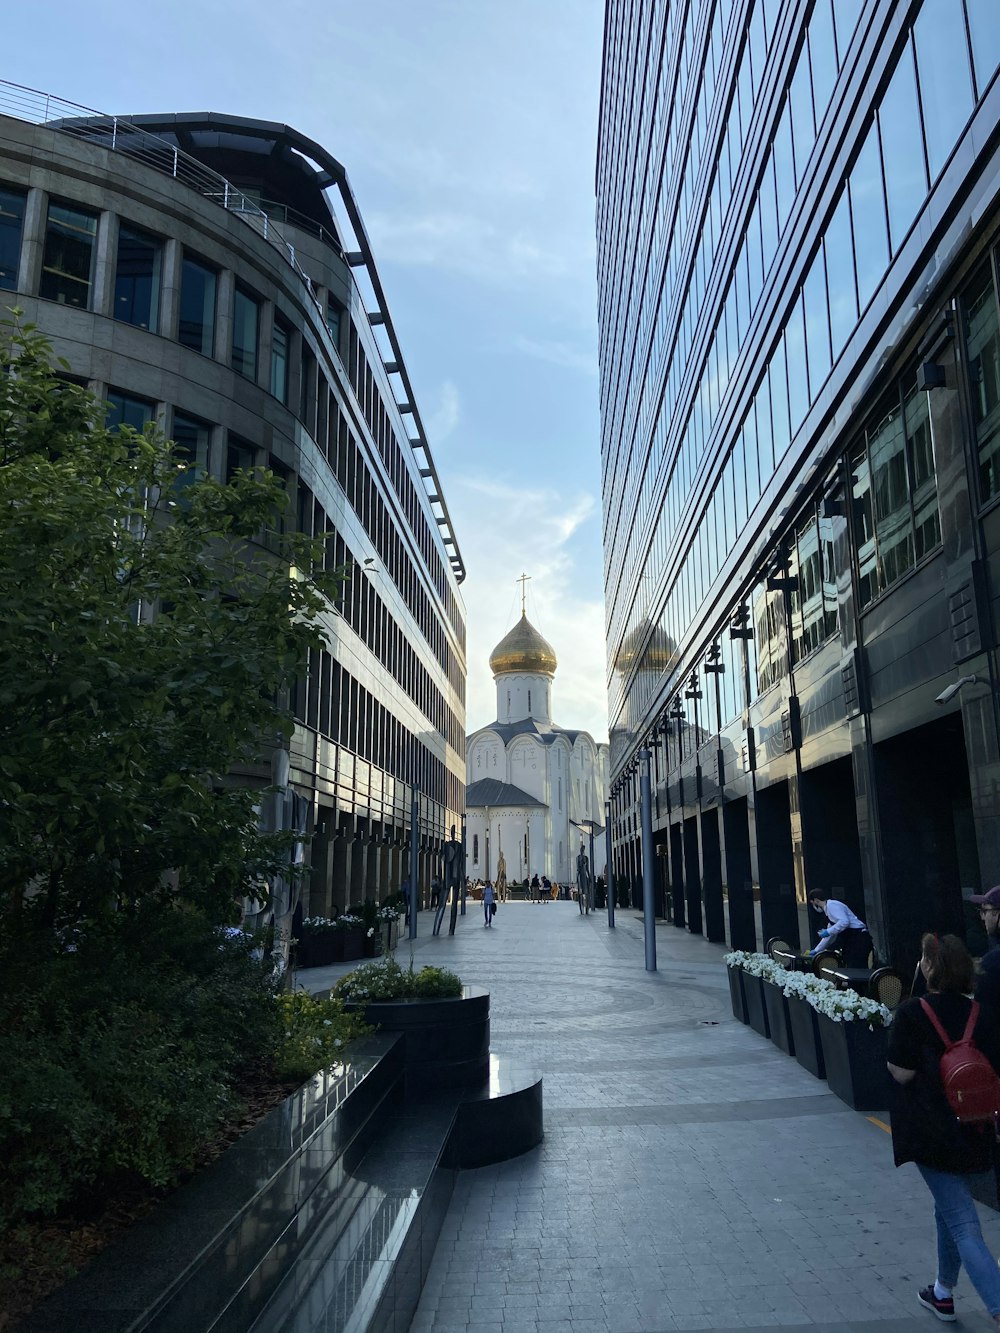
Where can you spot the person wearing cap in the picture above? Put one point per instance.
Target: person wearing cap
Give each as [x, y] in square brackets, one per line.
[988, 977]
[844, 931]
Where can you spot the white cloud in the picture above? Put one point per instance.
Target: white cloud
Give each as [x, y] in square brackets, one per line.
[510, 530]
[559, 354]
[445, 415]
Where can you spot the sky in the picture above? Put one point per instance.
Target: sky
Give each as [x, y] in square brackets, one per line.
[468, 132]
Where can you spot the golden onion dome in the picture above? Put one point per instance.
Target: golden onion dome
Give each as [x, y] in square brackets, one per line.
[523, 649]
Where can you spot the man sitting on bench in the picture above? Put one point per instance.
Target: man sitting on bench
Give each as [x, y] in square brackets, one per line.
[844, 931]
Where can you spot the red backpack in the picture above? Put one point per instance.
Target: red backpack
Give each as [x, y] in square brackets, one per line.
[969, 1080]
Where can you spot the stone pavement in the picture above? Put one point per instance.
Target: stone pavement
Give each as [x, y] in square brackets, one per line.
[692, 1176]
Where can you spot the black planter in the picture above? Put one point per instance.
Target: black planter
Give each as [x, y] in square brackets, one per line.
[804, 1027]
[319, 949]
[753, 989]
[447, 1041]
[776, 1007]
[736, 993]
[352, 944]
[855, 1056]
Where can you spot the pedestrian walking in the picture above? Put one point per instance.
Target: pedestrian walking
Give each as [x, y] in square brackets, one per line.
[988, 979]
[489, 903]
[926, 1129]
[844, 930]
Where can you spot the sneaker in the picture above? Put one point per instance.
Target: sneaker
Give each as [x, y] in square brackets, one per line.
[943, 1309]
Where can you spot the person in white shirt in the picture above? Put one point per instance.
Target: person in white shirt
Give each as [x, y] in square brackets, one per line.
[844, 931]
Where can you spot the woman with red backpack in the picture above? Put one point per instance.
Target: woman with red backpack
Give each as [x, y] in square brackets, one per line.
[944, 1057]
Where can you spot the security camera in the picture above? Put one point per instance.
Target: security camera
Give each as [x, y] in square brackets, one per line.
[949, 693]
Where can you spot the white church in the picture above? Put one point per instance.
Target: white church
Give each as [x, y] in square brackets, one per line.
[535, 791]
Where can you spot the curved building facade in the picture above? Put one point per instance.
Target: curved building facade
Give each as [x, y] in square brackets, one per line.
[798, 220]
[213, 274]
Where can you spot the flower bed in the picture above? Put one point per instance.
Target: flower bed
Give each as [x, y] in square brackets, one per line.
[842, 1036]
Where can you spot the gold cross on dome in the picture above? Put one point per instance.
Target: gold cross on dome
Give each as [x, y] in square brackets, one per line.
[523, 580]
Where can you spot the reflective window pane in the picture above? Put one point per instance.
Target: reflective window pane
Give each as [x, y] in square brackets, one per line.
[890, 491]
[784, 166]
[817, 315]
[871, 241]
[137, 278]
[902, 160]
[982, 344]
[945, 77]
[781, 430]
[126, 411]
[840, 275]
[279, 361]
[197, 313]
[246, 312]
[191, 438]
[68, 256]
[768, 215]
[822, 57]
[920, 446]
[800, 98]
[798, 379]
[846, 14]
[985, 32]
[11, 226]
[869, 582]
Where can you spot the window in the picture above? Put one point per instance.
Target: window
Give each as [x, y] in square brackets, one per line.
[871, 244]
[902, 160]
[333, 314]
[137, 278]
[893, 521]
[279, 360]
[869, 581]
[817, 324]
[985, 33]
[982, 344]
[475, 848]
[945, 77]
[68, 256]
[11, 227]
[246, 320]
[841, 286]
[197, 314]
[923, 476]
[191, 437]
[126, 411]
[240, 456]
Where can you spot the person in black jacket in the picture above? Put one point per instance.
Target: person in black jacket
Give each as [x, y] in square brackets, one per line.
[988, 980]
[926, 1131]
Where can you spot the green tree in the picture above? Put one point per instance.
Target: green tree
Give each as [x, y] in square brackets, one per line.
[153, 623]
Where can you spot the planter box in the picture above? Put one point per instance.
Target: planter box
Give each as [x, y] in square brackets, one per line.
[753, 989]
[352, 946]
[736, 993]
[776, 1007]
[373, 945]
[803, 1022]
[390, 935]
[320, 949]
[447, 1042]
[855, 1056]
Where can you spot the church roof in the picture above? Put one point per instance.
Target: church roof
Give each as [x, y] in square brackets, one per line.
[523, 649]
[546, 732]
[490, 791]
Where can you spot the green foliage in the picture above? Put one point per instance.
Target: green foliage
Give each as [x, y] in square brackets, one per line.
[149, 643]
[314, 1034]
[120, 1053]
[386, 980]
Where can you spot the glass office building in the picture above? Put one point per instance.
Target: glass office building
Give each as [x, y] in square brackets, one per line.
[213, 274]
[797, 220]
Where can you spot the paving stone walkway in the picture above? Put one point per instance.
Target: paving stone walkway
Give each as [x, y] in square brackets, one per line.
[692, 1176]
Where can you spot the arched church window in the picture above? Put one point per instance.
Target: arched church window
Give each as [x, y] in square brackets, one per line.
[560, 793]
[508, 705]
[529, 701]
[475, 848]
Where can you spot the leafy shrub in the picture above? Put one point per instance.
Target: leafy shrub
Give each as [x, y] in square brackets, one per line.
[314, 1034]
[120, 1053]
[386, 980]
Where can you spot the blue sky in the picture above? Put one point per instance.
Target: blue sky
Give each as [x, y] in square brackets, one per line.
[467, 128]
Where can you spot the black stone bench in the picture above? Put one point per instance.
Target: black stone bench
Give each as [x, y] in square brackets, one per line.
[333, 1203]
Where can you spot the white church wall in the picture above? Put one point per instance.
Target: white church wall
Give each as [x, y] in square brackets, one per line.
[526, 767]
[487, 759]
[521, 695]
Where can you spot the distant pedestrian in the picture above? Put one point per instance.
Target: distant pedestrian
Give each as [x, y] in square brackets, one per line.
[535, 886]
[925, 1129]
[489, 903]
[988, 979]
[435, 891]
